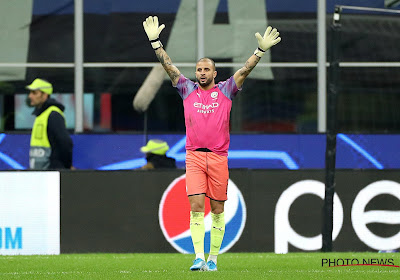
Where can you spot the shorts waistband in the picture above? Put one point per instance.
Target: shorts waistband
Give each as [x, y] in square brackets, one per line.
[203, 150]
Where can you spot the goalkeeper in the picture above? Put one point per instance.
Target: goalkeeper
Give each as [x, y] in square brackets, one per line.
[207, 108]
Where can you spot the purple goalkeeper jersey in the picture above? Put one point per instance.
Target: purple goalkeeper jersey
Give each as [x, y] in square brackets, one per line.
[207, 114]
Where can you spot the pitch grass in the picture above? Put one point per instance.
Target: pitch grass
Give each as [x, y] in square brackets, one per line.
[176, 266]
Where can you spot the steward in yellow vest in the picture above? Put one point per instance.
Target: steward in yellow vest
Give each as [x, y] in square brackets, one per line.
[156, 157]
[51, 144]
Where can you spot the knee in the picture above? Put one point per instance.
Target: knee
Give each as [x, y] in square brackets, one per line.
[197, 206]
[218, 210]
[217, 207]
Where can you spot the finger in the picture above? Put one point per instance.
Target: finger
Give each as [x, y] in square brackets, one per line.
[273, 32]
[149, 20]
[277, 40]
[276, 35]
[144, 25]
[269, 28]
[156, 21]
[258, 36]
[162, 26]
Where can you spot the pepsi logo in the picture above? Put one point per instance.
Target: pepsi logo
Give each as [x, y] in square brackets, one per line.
[174, 216]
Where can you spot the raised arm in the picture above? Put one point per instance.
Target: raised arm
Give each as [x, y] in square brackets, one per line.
[270, 38]
[172, 71]
[153, 31]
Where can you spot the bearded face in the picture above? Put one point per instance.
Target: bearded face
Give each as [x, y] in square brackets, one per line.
[205, 73]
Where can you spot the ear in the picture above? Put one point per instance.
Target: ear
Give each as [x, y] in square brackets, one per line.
[215, 74]
[45, 95]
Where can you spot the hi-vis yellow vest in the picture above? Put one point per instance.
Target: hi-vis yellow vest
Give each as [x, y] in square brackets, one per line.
[40, 151]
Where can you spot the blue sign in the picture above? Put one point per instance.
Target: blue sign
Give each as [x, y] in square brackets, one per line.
[11, 241]
[264, 151]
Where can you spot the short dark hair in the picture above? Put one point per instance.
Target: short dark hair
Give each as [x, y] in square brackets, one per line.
[207, 59]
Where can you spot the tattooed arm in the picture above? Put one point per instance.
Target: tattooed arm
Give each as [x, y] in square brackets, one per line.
[172, 71]
[153, 29]
[270, 38]
[243, 72]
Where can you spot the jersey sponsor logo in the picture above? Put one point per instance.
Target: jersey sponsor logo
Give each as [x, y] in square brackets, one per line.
[205, 109]
[200, 105]
[174, 217]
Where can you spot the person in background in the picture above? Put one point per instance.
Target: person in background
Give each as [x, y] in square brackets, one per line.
[51, 145]
[155, 151]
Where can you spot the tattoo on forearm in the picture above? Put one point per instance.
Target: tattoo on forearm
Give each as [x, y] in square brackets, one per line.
[164, 59]
[166, 62]
[248, 67]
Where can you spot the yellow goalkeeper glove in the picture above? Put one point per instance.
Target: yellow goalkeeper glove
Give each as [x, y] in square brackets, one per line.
[271, 38]
[153, 31]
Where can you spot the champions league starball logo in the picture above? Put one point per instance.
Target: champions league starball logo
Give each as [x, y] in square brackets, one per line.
[174, 217]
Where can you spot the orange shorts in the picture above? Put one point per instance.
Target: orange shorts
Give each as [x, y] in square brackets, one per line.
[207, 173]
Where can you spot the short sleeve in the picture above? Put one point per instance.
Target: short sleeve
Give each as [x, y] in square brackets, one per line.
[185, 86]
[229, 88]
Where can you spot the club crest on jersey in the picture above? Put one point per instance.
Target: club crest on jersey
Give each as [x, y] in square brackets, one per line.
[174, 217]
[214, 94]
